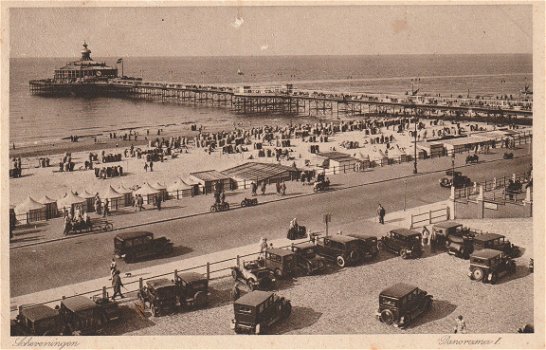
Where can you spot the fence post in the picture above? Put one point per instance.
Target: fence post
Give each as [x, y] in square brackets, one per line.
[175, 274]
[208, 271]
[104, 295]
[430, 216]
[411, 221]
[238, 258]
[343, 168]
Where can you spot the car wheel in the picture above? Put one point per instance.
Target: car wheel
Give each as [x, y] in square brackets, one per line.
[354, 256]
[309, 270]
[155, 310]
[287, 309]
[278, 273]
[212, 209]
[200, 299]
[493, 278]
[387, 317]
[251, 284]
[403, 254]
[340, 261]
[243, 204]
[478, 274]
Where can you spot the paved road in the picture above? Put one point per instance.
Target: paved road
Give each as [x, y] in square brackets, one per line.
[65, 262]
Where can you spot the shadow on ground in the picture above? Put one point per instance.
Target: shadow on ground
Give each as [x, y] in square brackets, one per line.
[440, 309]
[300, 318]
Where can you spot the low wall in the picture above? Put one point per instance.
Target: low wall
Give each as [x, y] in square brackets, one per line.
[485, 209]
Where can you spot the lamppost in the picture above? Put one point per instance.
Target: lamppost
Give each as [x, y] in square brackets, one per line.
[405, 192]
[415, 145]
[453, 168]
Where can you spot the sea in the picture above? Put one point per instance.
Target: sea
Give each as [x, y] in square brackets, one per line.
[35, 120]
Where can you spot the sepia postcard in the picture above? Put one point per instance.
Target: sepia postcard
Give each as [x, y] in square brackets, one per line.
[272, 174]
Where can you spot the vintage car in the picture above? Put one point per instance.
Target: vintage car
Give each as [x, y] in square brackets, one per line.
[35, 320]
[341, 249]
[496, 241]
[160, 295]
[456, 179]
[457, 239]
[83, 316]
[402, 303]
[406, 243]
[140, 244]
[307, 259]
[254, 274]
[193, 289]
[487, 265]
[257, 311]
[369, 248]
[280, 261]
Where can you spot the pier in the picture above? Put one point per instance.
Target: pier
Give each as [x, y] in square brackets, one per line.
[288, 100]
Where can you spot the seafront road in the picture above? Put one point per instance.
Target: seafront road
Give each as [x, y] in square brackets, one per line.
[65, 262]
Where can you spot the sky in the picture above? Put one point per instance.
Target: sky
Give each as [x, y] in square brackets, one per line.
[261, 30]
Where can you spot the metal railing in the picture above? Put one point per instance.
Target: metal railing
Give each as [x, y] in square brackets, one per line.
[430, 217]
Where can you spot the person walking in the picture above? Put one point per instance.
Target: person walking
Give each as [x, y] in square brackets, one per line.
[117, 284]
[106, 209]
[146, 166]
[151, 165]
[381, 214]
[426, 236]
[158, 203]
[263, 188]
[263, 247]
[433, 241]
[283, 188]
[460, 325]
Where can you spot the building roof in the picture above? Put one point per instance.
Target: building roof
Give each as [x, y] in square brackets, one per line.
[398, 290]
[337, 156]
[486, 253]
[160, 283]
[405, 232]
[29, 204]
[133, 234]
[483, 237]
[210, 175]
[78, 303]
[191, 276]
[447, 224]
[470, 140]
[253, 298]
[258, 171]
[38, 312]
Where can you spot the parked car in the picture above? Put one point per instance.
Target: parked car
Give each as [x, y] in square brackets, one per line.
[342, 250]
[160, 295]
[402, 303]
[35, 320]
[140, 244]
[487, 265]
[456, 179]
[307, 259]
[496, 241]
[368, 244]
[83, 316]
[254, 274]
[457, 239]
[406, 243]
[280, 261]
[257, 311]
[193, 289]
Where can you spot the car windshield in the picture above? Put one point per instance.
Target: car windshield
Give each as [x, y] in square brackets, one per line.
[387, 301]
[481, 261]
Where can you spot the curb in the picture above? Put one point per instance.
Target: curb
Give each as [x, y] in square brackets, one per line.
[271, 201]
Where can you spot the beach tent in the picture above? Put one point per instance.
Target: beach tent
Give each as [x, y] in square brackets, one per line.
[180, 189]
[30, 211]
[113, 196]
[127, 195]
[89, 200]
[148, 193]
[72, 202]
[162, 190]
[51, 206]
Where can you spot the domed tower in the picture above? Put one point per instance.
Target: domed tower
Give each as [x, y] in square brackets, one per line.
[86, 53]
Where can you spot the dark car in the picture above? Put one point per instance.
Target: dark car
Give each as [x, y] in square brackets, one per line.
[402, 303]
[369, 248]
[84, 316]
[254, 274]
[35, 320]
[280, 261]
[487, 265]
[193, 289]
[141, 244]
[307, 259]
[495, 241]
[257, 311]
[455, 179]
[341, 249]
[457, 239]
[406, 243]
[160, 295]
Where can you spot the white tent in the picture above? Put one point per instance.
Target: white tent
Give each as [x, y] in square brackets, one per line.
[148, 193]
[113, 196]
[127, 195]
[51, 206]
[71, 201]
[180, 189]
[89, 199]
[162, 190]
[30, 211]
